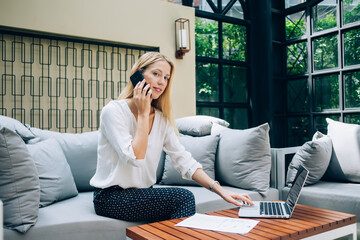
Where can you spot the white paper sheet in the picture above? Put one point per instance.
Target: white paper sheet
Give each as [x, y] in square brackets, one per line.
[216, 223]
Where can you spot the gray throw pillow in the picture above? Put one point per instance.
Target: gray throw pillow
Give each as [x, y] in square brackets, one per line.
[345, 160]
[314, 156]
[56, 180]
[203, 149]
[19, 183]
[243, 158]
[16, 126]
[199, 125]
[80, 150]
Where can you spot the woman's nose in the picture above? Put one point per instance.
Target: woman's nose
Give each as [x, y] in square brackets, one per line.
[162, 80]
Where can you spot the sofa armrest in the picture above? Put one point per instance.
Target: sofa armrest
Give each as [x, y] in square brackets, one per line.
[279, 166]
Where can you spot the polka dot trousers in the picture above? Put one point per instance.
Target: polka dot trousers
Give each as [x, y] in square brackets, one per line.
[144, 204]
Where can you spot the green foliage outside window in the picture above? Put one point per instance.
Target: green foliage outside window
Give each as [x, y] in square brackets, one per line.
[206, 38]
[352, 47]
[295, 28]
[351, 13]
[234, 42]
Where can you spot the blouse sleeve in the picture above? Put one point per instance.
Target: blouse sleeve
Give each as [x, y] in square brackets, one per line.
[115, 127]
[181, 159]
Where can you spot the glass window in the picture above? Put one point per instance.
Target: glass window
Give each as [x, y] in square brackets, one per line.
[351, 11]
[234, 42]
[209, 111]
[235, 11]
[291, 3]
[295, 25]
[352, 89]
[326, 92]
[237, 117]
[352, 118]
[324, 15]
[321, 124]
[235, 87]
[207, 84]
[206, 37]
[326, 52]
[298, 130]
[297, 95]
[297, 58]
[203, 5]
[352, 47]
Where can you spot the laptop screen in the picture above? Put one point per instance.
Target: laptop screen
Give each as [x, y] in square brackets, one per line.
[296, 187]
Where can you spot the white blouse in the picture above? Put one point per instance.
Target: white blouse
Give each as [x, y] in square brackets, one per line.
[117, 164]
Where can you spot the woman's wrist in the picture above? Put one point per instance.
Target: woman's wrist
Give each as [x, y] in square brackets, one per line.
[211, 187]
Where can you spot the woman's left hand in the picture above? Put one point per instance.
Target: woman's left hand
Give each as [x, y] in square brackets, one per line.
[235, 198]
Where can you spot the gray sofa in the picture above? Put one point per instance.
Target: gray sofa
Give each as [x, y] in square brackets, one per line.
[72, 216]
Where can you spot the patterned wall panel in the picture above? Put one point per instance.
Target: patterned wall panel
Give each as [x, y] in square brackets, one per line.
[60, 84]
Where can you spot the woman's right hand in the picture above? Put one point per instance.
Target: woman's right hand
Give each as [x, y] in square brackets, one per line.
[142, 97]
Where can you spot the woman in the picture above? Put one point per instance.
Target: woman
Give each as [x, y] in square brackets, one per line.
[133, 132]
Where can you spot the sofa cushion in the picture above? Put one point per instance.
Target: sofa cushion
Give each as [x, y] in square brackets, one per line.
[343, 197]
[314, 156]
[16, 126]
[345, 160]
[56, 180]
[203, 149]
[19, 183]
[243, 157]
[199, 125]
[80, 150]
[74, 218]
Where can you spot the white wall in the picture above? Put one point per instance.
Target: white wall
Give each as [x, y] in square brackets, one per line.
[136, 22]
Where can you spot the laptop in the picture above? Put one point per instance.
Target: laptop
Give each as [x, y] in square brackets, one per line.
[269, 209]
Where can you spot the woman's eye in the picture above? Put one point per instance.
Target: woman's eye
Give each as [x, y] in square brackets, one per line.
[156, 74]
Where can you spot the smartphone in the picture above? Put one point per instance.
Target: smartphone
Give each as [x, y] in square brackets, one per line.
[136, 77]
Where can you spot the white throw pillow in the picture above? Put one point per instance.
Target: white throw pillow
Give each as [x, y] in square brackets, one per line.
[345, 160]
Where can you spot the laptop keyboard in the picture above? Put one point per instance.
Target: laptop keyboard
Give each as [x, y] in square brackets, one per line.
[271, 208]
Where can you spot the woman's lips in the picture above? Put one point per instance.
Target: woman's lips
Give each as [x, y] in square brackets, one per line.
[157, 89]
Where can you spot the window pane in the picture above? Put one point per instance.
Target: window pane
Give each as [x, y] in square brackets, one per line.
[352, 89]
[237, 117]
[324, 15]
[208, 111]
[295, 25]
[234, 42]
[325, 52]
[353, 118]
[235, 11]
[291, 3]
[206, 37]
[352, 47]
[204, 5]
[351, 11]
[235, 88]
[297, 58]
[297, 95]
[298, 131]
[321, 124]
[207, 84]
[326, 92]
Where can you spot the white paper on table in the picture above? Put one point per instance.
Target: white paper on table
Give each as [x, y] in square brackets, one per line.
[216, 223]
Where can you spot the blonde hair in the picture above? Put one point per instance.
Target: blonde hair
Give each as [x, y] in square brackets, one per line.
[163, 103]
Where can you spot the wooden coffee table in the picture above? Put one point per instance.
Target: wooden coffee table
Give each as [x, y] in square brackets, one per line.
[306, 222]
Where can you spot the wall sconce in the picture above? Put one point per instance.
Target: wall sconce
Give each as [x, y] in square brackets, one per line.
[182, 37]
